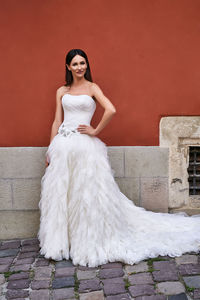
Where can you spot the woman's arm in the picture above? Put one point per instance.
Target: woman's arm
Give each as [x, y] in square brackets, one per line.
[110, 110]
[58, 114]
[57, 120]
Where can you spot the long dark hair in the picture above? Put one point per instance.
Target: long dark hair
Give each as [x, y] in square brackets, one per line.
[69, 57]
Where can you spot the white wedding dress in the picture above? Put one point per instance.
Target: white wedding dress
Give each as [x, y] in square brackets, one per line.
[83, 214]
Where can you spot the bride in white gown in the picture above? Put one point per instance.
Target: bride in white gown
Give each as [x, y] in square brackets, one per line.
[83, 214]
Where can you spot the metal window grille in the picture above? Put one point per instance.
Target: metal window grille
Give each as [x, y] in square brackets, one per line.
[194, 171]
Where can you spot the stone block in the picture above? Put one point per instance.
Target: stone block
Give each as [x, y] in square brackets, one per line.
[64, 263]
[6, 194]
[28, 254]
[114, 286]
[154, 297]
[189, 269]
[110, 273]
[21, 275]
[119, 297]
[13, 294]
[42, 294]
[170, 287]
[22, 261]
[22, 162]
[19, 224]
[116, 158]
[63, 272]
[42, 273]
[10, 244]
[40, 284]
[151, 161]
[140, 278]
[4, 268]
[25, 267]
[62, 282]
[26, 193]
[187, 259]
[140, 267]
[86, 274]
[142, 289]
[64, 293]
[8, 252]
[115, 280]
[97, 295]
[192, 281]
[31, 241]
[18, 284]
[89, 285]
[6, 260]
[154, 194]
[130, 188]
[181, 296]
[42, 262]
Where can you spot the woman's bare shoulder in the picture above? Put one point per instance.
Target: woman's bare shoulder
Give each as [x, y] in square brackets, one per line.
[62, 90]
[95, 88]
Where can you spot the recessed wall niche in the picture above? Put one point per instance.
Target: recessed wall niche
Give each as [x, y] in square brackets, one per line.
[181, 134]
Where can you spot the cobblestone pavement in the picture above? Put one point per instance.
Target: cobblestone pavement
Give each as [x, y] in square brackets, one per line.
[25, 274]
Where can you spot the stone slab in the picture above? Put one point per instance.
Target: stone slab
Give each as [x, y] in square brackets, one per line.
[116, 159]
[147, 161]
[89, 285]
[67, 271]
[62, 282]
[6, 195]
[110, 273]
[8, 252]
[119, 297]
[26, 193]
[140, 267]
[42, 273]
[130, 187]
[140, 290]
[97, 295]
[186, 259]
[189, 269]
[64, 293]
[140, 278]
[19, 224]
[154, 194]
[42, 294]
[192, 281]
[12, 162]
[86, 274]
[10, 244]
[181, 296]
[170, 287]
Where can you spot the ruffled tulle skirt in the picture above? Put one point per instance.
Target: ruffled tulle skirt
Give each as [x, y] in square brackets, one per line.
[85, 217]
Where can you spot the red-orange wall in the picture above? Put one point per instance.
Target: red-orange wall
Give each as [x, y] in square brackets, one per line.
[144, 54]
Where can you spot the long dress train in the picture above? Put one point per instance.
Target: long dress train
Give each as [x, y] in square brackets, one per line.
[83, 214]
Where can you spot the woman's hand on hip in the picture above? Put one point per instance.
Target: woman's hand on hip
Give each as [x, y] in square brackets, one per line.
[86, 129]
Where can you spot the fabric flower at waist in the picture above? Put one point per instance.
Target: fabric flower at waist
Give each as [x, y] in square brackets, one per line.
[66, 131]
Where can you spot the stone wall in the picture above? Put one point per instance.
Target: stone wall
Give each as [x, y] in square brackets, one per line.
[178, 134]
[140, 172]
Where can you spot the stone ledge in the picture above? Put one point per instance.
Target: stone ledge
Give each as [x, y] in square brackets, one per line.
[190, 211]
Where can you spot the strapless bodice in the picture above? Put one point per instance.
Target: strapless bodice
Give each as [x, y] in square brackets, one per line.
[78, 109]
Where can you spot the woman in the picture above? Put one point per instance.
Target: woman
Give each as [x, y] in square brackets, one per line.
[84, 216]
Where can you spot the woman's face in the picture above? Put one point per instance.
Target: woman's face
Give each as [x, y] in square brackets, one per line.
[78, 66]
